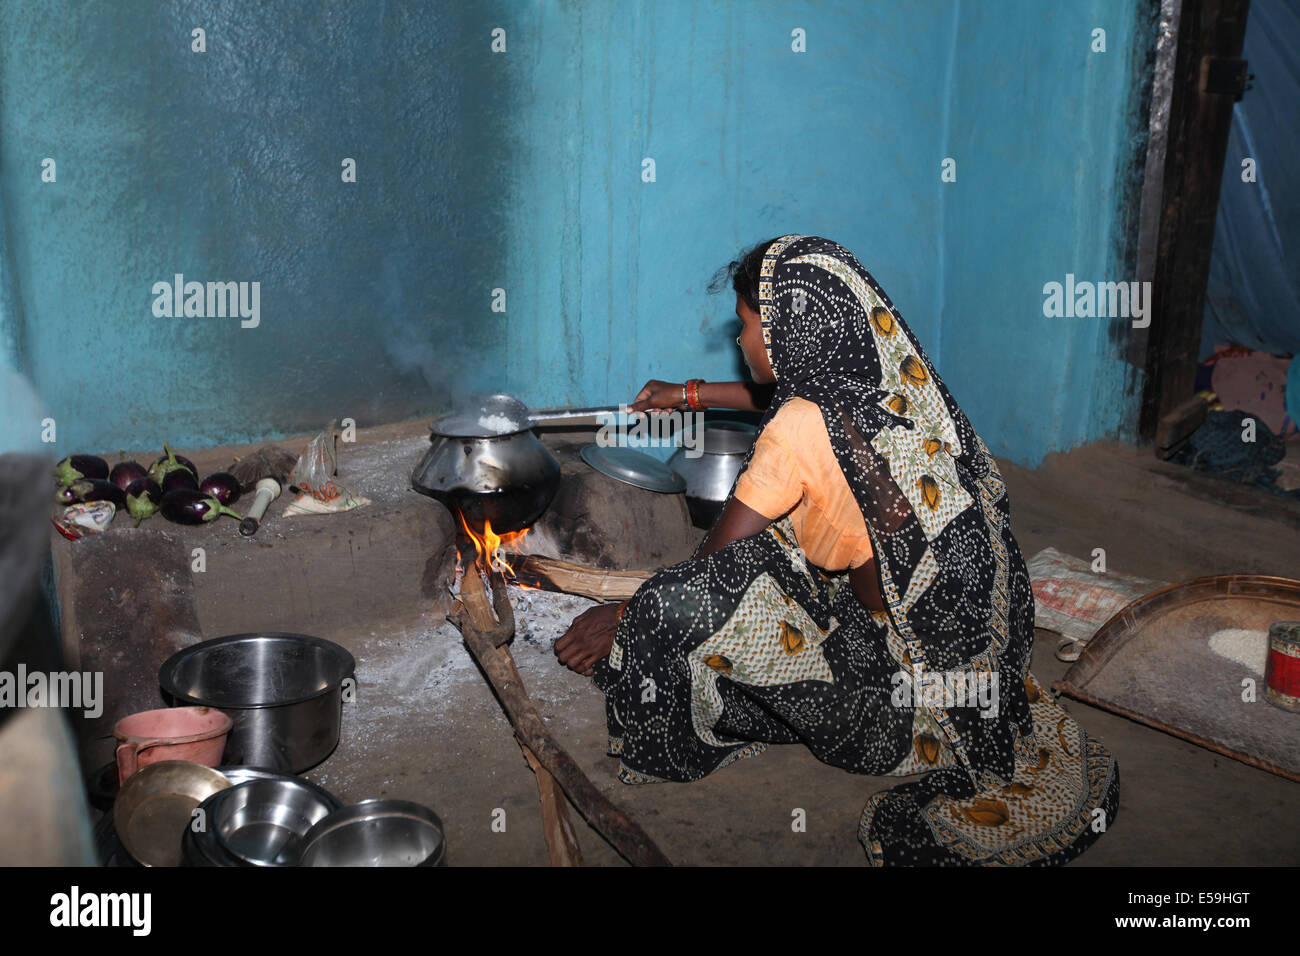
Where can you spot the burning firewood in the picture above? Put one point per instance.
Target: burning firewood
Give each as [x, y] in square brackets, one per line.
[552, 574]
[549, 574]
[487, 624]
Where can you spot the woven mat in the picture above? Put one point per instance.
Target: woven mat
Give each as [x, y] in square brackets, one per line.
[1155, 663]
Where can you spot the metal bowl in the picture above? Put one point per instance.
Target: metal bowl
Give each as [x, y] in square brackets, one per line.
[284, 692]
[263, 822]
[377, 833]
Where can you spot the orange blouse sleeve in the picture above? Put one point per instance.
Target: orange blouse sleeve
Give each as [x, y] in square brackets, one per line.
[773, 483]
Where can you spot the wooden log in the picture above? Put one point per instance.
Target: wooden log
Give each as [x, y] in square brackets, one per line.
[495, 620]
[476, 625]
[561, 839]
[1199, 121]
[552, 574]
[493, 617]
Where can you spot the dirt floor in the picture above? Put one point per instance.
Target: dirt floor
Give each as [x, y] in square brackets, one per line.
[426, 727]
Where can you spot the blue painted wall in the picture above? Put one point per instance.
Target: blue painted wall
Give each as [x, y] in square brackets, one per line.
[1046, 133]
[522, 171]
[226, 166]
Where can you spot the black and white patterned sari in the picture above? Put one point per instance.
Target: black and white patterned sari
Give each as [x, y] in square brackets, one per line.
[719, 656]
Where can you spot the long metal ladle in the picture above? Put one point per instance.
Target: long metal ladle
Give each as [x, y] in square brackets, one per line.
[503, 414]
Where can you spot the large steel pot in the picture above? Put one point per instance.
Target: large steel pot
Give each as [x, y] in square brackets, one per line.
[709, 476]
[283, 691]
[487, 463]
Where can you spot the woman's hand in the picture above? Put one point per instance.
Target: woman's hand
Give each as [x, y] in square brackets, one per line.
[744, 396]
[658, 395]
[588, 639]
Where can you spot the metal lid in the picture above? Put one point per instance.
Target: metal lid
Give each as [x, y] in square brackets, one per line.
[633, 467]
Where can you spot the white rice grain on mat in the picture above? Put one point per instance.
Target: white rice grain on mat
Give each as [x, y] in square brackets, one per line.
[1247, 648]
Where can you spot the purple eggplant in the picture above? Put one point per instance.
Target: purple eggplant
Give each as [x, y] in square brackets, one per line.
[125, 472]
[193, 507]
[91, 489]
[76, 467]
[179, 478]
[142, 498]
[221, 485]
[169, 463]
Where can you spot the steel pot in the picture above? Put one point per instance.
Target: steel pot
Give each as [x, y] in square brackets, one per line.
[283, 691]
[488, 463]
[204, 848]
[508, 480]
[259, 822]
[709, 477]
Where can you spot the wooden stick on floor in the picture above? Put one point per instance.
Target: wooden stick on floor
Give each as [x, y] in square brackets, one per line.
[485, 639]
[561, 840]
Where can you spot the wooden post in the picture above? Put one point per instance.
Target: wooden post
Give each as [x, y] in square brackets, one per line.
[1199, 120]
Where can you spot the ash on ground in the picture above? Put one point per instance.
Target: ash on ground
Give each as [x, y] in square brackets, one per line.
[415, 677]
[542, 616]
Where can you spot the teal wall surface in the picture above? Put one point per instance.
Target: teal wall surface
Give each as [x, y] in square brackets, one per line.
[522, 170]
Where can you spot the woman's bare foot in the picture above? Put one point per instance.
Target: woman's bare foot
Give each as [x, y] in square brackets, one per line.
[588, 639]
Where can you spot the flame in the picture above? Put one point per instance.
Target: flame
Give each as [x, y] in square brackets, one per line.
[489, 549]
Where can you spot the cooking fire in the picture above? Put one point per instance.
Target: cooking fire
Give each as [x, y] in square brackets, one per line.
[490, 551]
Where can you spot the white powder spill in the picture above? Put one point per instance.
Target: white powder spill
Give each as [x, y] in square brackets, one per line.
[1247, 648]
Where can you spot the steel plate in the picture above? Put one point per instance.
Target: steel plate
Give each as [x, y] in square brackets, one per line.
[634, 468]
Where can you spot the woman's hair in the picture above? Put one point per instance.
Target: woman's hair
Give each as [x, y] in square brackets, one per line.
[743, 273]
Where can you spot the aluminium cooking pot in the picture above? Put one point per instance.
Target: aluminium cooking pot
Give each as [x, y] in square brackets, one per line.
[258, 821]
[379, 832]
[710, 476]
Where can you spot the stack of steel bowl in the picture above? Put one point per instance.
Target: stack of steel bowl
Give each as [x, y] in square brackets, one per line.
[260, 820]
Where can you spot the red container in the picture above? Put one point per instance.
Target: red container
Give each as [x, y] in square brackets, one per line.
[1282, 672]
[197, 734]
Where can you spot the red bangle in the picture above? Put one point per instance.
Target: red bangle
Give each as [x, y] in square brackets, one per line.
[693, 394]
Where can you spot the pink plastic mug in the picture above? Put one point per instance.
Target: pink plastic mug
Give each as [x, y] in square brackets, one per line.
[197, 734]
